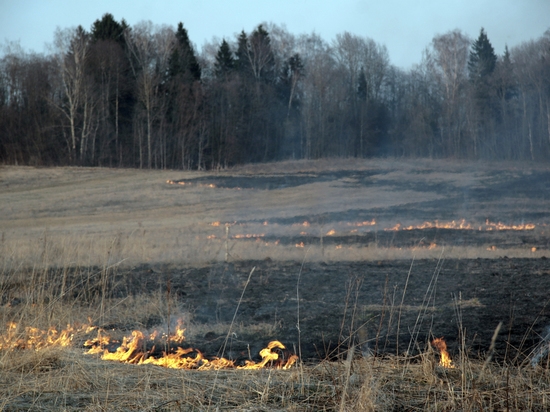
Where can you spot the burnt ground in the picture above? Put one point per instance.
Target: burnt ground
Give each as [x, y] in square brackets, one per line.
[321, 307]
[500, 194]
[442, 298]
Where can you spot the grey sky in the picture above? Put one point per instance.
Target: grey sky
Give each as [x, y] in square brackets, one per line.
[406, 27]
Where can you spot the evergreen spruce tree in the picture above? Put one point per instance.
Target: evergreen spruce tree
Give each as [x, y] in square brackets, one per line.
[110, 68]
[242, 60]
[482, 60]
[183, 61]
[505, 76]
[506, 93]
[262, 59]
[292, 72]
[481, 66]
[225, 62]
[109, 29]
[183, 93]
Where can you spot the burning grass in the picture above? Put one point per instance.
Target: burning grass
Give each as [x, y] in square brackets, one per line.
[66, 244]
[139, 349]
[63, 379]
[45, 367]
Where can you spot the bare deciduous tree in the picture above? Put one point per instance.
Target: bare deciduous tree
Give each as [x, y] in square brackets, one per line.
[150, 47]
[78, 100]
[448, 58]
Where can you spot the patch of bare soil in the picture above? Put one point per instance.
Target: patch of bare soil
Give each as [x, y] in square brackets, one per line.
[507, 195]
[385, 307]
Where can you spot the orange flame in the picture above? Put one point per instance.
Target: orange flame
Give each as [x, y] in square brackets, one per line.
[249, 236]
[173, 182]
[134, 348]
[178, 336]
[462, 225]
[182, 183]
[502, 226]
[396, 227]
[268, 355]
[367, 223]
[441, 346]
[36, 339]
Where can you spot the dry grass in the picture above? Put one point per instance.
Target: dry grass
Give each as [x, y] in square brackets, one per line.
[62, 379]
[65, 232]
[65, 216]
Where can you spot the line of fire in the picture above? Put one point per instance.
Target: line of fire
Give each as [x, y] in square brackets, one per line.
[305, 232]
[156, 348]
[140, 348]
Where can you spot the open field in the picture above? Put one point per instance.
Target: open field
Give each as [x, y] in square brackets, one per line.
[332, 258]
[139, 218]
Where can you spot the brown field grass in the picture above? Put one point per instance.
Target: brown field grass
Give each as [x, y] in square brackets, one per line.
[64, 380]
[60, 221]
[81, 215]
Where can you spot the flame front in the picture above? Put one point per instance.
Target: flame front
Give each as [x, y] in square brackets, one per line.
[134, 350]
[182, 183]
[268, 355]
[248, 235]
[441, 346]
[462, 225]
[140, 349]
[366, 223]
[36, 339]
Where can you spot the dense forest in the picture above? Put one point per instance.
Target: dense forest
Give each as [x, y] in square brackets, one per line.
[142, 96]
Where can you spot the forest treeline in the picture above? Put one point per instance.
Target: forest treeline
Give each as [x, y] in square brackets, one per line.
[142, 96]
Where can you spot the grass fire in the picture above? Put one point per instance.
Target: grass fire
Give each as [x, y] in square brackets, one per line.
[133, 349]
[308, 285]
[139, 348]
[441, 346]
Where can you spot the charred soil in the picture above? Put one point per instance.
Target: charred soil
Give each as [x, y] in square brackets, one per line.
[385, 307]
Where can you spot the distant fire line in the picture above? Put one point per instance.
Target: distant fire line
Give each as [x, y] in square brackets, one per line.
[456, 225]
[488, 226]
[453, 225]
